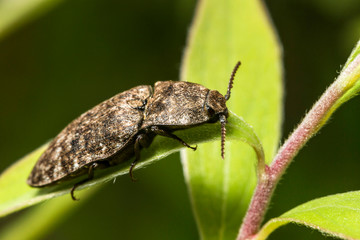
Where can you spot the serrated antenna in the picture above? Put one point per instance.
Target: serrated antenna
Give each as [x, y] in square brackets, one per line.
[227, 96]
[223, 134]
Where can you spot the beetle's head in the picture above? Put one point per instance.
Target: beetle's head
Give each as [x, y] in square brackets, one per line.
[217, 110]
[216, 105]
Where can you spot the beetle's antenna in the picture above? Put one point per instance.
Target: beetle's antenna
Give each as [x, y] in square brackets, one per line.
[223, 134]
[227, 96]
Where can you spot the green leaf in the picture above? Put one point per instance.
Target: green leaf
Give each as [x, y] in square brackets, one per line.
[336, 215]
[350, 76]
[15, 194]
[355, 52]
[42, 219]
[14, 13]
[223, 33]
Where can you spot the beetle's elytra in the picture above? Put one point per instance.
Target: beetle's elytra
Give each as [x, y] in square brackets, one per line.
[118, 128]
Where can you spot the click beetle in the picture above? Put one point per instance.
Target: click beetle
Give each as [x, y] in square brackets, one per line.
[118, 128]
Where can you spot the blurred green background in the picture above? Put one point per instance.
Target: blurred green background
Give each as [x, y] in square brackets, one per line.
[82, 52]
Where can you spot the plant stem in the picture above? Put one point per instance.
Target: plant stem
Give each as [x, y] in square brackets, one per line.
[258, 206]
[312, 122]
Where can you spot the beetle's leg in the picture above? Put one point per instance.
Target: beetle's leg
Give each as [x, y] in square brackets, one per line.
[137, 145]
[90, 176]
[162, 132]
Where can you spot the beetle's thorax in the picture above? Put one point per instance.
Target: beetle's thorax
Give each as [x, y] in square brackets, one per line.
[177, 105]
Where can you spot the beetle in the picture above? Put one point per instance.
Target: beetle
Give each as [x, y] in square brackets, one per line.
[118, 128]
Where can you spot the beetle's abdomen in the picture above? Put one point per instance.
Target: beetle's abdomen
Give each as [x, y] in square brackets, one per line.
[97, 134]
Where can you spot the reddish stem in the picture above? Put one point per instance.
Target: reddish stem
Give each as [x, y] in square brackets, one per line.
[270, 177]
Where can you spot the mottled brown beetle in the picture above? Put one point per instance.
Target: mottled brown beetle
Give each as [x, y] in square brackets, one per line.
[118, 128]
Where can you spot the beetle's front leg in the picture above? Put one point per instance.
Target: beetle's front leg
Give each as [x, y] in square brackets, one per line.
[162, 132]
